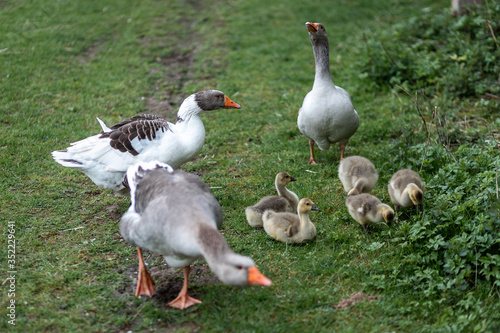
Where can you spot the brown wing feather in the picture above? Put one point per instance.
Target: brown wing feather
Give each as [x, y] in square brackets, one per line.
[144, 127]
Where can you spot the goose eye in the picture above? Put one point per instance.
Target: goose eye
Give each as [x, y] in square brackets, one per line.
[239, 267]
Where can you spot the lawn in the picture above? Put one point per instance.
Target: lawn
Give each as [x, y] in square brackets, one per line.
[65, 62]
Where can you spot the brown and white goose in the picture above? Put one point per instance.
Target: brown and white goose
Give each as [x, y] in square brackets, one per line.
[105, 157]
[406, 189]
[366, 209]
[290, 228]
[357, 174]
[173, 213]
[285, 201]
[327, 114]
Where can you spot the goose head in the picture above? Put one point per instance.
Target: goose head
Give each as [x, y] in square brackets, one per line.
[388, 214]
[306, 205]
[415, 193]
[283, 178]
[237, 270]
[317, 33]
[213, 100]
[207, 100]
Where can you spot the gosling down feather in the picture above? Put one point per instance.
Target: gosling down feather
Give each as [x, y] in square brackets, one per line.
[357, 174]
[173, 213]
[285, 201]
[105, 157]
[367, 209]
[327, 114]
[406, 189]
[291, 228]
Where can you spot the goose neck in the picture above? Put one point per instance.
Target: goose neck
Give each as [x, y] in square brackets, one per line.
[322, 62]
[188, 109]
[287, 194]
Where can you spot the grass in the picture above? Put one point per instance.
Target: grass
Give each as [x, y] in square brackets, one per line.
[64, 63]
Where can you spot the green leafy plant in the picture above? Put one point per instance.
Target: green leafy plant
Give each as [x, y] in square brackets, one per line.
[439, 53]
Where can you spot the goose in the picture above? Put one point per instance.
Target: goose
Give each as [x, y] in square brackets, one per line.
[105, 157]
[173, 213]
[285, 201]
[327, 114]
[290, 228]
[366, 209]
[406, 189]
[357, 174]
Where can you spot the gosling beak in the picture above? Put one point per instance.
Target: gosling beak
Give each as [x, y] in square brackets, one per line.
[229, 104]
[256, 278]
[313, 207]
[292, 179]
[312, 27]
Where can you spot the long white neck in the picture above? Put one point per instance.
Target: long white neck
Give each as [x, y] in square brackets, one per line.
[322, 76]
[188, 134]
[188, 109]
[287, 194]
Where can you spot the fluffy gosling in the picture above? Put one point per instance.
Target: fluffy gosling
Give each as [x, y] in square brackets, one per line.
[367, 209]
[285, 201]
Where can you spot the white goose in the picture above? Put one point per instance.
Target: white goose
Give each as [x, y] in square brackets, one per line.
[285, 201]
[105, 157]
[327, 114]
[173, 213]
[366, 209]
[406, 189]
[357, 174]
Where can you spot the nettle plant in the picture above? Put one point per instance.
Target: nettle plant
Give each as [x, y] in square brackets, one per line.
[438, 53]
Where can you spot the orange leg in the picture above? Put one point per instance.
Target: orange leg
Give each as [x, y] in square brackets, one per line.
[311, 148]
[183, 300]
[145, 283]
[342, 148]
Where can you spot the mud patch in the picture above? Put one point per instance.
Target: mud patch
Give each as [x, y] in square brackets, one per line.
[355, 298]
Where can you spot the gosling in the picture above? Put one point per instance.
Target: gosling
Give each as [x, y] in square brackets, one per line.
[406, 189]
[357, 174]
[285, 201]
[367, 209]
[290, 228]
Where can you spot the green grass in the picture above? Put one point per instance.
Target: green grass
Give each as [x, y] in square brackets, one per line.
[64, 63]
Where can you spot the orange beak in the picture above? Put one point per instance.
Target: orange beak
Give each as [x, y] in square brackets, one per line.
[229, 104]
[256, 278]
[312, 27]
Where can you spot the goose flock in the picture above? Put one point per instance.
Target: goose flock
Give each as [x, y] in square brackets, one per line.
[174, 214]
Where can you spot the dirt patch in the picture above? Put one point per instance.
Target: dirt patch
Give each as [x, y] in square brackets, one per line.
[168, 280]
[355, 298]
[87, 55]
[170, 88]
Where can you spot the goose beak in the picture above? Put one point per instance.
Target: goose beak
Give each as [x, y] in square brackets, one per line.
[312, 27]
[256, 278]
[229, 104]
